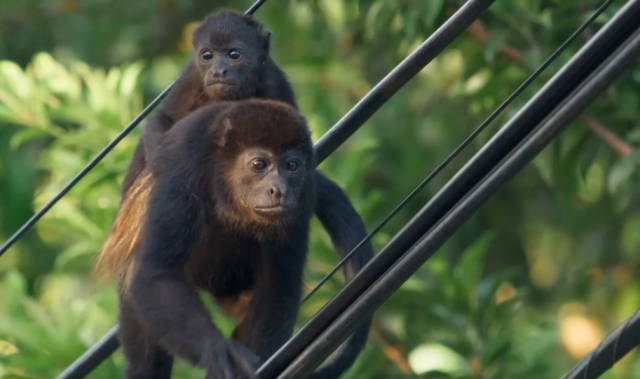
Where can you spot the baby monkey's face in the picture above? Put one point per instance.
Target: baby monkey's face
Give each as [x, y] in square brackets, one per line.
[229, 64]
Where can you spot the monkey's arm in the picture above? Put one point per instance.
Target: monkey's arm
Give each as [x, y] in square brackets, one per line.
[346, 229]
[167, 305]
[273, 312]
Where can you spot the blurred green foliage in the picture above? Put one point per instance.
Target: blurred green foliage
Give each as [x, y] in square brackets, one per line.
[527, 287]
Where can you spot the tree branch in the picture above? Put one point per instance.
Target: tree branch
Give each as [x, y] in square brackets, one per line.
[480, 33]
[615, 142]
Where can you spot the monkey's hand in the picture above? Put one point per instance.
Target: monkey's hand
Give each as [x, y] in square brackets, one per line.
[223, 356]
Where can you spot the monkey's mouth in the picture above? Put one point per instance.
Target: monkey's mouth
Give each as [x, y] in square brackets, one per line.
[220, 83]
[271, 211]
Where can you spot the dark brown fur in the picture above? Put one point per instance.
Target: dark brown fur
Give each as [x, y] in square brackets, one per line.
[263, 79]
[202, 231]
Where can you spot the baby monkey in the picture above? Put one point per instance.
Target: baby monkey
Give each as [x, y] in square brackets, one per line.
[229, 214]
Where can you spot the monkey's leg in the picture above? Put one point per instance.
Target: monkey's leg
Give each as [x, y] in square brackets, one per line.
[145, 360]
[346, 229]
[173, 314]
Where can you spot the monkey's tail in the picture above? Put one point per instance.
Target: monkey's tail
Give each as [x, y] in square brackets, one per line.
[116, 257]
[346, 229]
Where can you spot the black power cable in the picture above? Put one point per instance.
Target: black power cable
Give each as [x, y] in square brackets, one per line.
[253, 8]
[500, 174]
[93, 357]
[603, 43]
[464, 144]
[136, 121]
[611, 350]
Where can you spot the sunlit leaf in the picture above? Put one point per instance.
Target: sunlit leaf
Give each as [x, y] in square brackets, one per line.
[622, 170]
[27, 135]
[6, 348]
[470, 265]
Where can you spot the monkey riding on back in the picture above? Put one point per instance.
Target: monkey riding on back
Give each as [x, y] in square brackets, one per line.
[231, 63]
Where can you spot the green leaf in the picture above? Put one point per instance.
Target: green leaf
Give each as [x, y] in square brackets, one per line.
[498, 38]
[497, 349]
[469, 268]
[29, 134]
[129, 79]
[15, 79]
[622, 170]
[433, 10]
[628, 104]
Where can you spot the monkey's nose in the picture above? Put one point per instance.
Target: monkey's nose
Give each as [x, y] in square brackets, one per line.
[220, 73]
[276, 192]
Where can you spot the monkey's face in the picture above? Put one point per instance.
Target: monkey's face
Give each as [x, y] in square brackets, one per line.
[229, 67]
[268, 186]
[231, 51]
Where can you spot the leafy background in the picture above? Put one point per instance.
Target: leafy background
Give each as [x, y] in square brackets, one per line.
[525, 289]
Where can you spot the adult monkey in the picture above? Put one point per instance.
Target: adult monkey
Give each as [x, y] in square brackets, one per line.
[229, 213]
[232, 62]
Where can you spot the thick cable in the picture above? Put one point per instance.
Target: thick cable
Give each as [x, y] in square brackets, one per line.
[253, 8]
[581, 65]
[93, 357]
[612, 349]
[464, 144]
[500, 175]
[145, 112]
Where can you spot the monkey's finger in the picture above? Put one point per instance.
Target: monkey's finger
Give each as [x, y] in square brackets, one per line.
[212, 373]
[220, 368]
[238, 348]
[226, 371]
[246, 366]
[247, 361]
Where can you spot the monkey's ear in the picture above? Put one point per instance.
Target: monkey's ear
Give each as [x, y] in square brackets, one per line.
[267, 39]
[196, 35]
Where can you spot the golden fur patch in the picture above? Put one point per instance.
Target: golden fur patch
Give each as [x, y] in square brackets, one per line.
[116, 257]
[237, 307]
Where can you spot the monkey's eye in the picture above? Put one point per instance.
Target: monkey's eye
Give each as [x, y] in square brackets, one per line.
[258, 164]
[206, 55]
[292, 166]
[234, 54]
